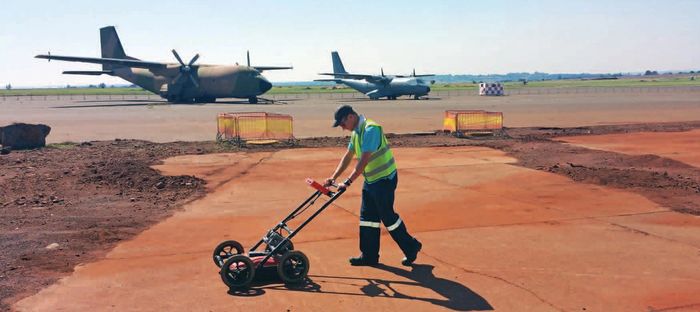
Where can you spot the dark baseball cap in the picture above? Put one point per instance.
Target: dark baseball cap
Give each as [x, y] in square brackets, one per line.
[341, 113]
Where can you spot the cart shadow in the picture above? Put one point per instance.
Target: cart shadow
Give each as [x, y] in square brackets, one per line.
[453, 295]
[258, 287]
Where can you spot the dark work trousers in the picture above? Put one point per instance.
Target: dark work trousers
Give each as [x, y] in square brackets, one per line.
[378, 205]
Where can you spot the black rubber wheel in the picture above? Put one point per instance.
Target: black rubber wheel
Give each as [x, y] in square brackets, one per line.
[289, 246]
[226, 250]
[238, 271]
[293, 267]
[253, 100]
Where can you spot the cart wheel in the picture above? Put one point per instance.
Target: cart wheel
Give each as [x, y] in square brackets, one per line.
[293, 267]
[238, 271]
[289, 246]
[226, 250]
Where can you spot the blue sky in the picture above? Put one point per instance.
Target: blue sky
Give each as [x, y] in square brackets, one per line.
[443, 37]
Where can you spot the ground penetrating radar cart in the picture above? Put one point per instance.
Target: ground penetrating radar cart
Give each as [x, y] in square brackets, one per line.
[239, 269]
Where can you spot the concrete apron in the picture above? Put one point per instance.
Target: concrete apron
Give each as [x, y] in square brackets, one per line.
[495, 236]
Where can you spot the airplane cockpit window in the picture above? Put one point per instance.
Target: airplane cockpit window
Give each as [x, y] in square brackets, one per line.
[420, 81]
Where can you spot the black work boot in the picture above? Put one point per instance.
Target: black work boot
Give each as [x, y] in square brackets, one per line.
[413, 254]
[362, 261]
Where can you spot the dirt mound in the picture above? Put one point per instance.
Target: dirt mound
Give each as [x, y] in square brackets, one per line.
[81, 200]
[23, 136]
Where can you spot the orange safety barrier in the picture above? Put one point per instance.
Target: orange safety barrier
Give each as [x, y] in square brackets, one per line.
[471, 120]
[253, 126]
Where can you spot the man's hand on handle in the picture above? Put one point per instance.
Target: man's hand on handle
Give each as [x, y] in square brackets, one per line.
[345, 184]
[341, 186]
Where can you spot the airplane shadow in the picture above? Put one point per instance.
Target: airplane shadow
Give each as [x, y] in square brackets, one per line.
[150, 103]
[350, 100]
[117, 103]
[457, 296]
[245, 102]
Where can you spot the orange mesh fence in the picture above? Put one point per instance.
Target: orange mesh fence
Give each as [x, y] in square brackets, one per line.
[254, 126]
[470, 120]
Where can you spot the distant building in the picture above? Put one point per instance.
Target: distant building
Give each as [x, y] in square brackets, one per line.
[490, 88]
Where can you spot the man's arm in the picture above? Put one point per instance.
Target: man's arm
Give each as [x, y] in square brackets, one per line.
[370, 143]
[342, 165]
[360, 167]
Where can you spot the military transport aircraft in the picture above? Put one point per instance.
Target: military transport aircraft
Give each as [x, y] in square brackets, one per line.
[176, 82]
[376, 87]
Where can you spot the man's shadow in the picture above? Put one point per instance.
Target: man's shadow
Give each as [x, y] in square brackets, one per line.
[458, 297]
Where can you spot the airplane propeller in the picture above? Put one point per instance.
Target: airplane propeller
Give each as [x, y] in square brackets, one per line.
[186, 69]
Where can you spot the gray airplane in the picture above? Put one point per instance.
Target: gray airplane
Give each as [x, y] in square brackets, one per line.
[378, 86]
[177, 82]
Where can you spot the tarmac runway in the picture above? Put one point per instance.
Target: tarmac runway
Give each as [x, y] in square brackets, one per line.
[157, 121]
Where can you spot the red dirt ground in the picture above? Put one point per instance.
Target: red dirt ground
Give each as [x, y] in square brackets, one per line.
[89, 197]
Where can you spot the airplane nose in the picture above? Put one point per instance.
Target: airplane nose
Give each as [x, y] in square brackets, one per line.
[264, 85]
[427, 90]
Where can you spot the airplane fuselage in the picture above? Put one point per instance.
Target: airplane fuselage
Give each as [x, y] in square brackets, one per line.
[215, 81]
[394, 88]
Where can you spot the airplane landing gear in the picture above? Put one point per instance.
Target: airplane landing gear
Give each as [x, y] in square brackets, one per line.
[253, 100]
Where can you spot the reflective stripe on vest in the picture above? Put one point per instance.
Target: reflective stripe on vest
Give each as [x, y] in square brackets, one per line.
[381, 164]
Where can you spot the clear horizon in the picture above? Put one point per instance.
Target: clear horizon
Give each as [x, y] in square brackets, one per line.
[446, 37]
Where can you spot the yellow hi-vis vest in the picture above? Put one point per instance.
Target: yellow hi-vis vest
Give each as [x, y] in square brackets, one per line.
[381, 163]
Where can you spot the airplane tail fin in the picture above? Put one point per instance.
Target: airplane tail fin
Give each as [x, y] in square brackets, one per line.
[338, 67]
[111, 46]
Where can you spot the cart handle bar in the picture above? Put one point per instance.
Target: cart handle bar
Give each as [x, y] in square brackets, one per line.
[318, 187]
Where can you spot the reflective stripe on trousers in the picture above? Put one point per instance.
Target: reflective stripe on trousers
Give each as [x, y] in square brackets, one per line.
[370, 224]
[377, 224]
[395, 225]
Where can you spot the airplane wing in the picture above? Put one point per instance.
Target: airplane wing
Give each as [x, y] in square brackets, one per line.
[349, 76]
[88, 72]
[368, 78]
[408, 76]
[413, 74]
[261, 68]
[334, 80]
[110, 61]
